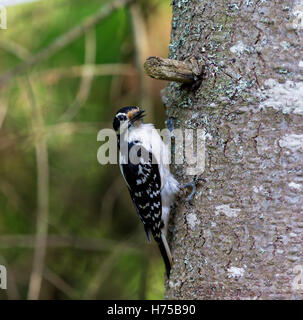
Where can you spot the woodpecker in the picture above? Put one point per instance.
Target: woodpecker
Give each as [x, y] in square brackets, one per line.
[144, 164]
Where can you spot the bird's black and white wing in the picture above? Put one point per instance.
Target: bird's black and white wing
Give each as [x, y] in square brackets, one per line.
[144, 183]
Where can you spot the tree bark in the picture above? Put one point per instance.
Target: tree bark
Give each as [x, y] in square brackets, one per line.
[243, 235]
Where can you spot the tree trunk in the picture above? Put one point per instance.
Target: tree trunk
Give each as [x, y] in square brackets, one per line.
[242, 237]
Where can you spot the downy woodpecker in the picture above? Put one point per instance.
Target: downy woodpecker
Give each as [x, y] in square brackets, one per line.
[144, 164]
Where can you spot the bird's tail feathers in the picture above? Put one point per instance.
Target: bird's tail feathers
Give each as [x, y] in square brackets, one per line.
[165, 252]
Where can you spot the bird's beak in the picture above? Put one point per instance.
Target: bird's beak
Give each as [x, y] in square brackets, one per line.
[137, 116]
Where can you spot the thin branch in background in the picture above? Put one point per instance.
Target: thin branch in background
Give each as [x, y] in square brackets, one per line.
[108, 201]
[65, 128]
[3, 110]
[142, 48]
[115, 90]
[105, 269]
[103, 272]
[52, 76]
[42, 198]
[8, 141]
[58, 241]
[86, 78]
[68, 128]
[143, 279]
[18, 51]
[63, 40]
[59, 283]
[10, 192]
[12, 288]
[15, 49]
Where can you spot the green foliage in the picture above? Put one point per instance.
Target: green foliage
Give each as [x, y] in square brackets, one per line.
[77, 184]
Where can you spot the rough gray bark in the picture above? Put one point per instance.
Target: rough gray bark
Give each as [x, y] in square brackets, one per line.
[243, 236]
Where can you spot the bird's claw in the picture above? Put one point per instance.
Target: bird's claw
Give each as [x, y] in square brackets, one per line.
[193, 185]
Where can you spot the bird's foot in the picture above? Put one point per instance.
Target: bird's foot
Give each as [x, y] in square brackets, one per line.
[193, 185]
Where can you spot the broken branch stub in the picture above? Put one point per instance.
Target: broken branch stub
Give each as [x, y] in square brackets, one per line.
[174, 70]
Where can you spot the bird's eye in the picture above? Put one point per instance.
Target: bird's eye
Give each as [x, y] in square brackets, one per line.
[121, 118]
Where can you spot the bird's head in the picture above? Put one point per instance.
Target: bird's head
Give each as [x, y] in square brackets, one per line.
[127, 117]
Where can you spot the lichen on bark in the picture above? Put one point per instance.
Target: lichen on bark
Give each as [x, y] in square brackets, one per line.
[243, 235]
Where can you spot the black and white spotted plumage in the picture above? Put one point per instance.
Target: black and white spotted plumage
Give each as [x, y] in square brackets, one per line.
[144, 184]
[150, 184]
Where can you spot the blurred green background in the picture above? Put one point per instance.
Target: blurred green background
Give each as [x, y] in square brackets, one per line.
[49, 120]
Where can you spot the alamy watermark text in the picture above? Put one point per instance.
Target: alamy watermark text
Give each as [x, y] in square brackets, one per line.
[3, 21]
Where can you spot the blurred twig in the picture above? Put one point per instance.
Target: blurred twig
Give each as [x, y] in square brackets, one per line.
[18, 51]
[12, 288]
[86, 77]
[103, 272]
[42, 199]
[65, 128]
[105, 269]
[109, 199]
[142, 48]
[53, 75]
[10, 192]
[57, 241]
[59, 283]
[143, 280]
[3, 109]
[63, 40]
[115, 91]
[15, 49]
